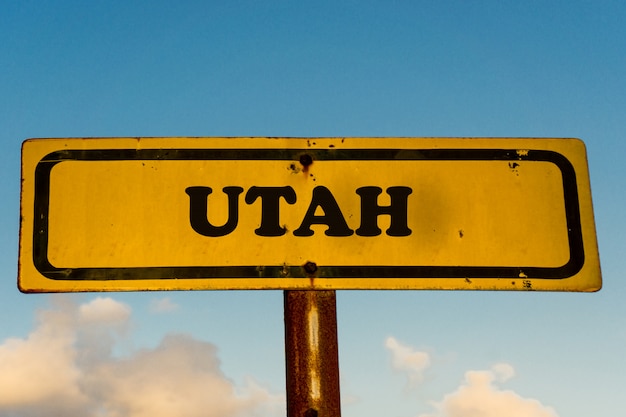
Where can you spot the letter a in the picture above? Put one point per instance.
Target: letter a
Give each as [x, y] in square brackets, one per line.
[332, 217]
[198, 216]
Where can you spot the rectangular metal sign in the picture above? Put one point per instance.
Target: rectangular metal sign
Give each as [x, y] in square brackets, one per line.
[123, 214]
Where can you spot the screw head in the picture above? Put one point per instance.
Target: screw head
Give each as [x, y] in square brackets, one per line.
[306, 160]
[310, 267]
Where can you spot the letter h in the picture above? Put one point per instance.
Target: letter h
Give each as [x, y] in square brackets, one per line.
[370, 210]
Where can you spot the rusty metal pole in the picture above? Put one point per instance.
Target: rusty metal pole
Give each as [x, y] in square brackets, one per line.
[311, 351]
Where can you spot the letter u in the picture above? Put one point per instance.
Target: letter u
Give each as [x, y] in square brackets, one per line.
[198, 215]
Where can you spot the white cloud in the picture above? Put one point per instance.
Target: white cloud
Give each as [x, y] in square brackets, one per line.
[180, 377]
[42, 368]
[502, 372]
[479, 396]
[65, 368]
[163, 305]
[104, 310]
[406, 359]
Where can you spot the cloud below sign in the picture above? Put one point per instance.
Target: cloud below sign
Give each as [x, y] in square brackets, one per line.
[65, 366]
[480, 395]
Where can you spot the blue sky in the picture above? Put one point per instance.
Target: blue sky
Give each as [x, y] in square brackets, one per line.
[367, 68]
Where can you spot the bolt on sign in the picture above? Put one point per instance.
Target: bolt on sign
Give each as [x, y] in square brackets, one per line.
[123, 214]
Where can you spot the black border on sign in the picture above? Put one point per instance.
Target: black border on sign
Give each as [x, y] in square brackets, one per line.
[42, 196]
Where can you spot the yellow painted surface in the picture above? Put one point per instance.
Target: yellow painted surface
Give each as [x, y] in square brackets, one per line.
[127, 214]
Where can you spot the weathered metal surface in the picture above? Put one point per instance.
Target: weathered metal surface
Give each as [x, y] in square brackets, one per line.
[128, 214]
[312, 361]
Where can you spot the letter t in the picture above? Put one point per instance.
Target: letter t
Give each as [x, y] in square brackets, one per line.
[270, 196]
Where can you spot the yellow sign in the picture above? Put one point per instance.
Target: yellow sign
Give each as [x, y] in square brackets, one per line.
[125, 214]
